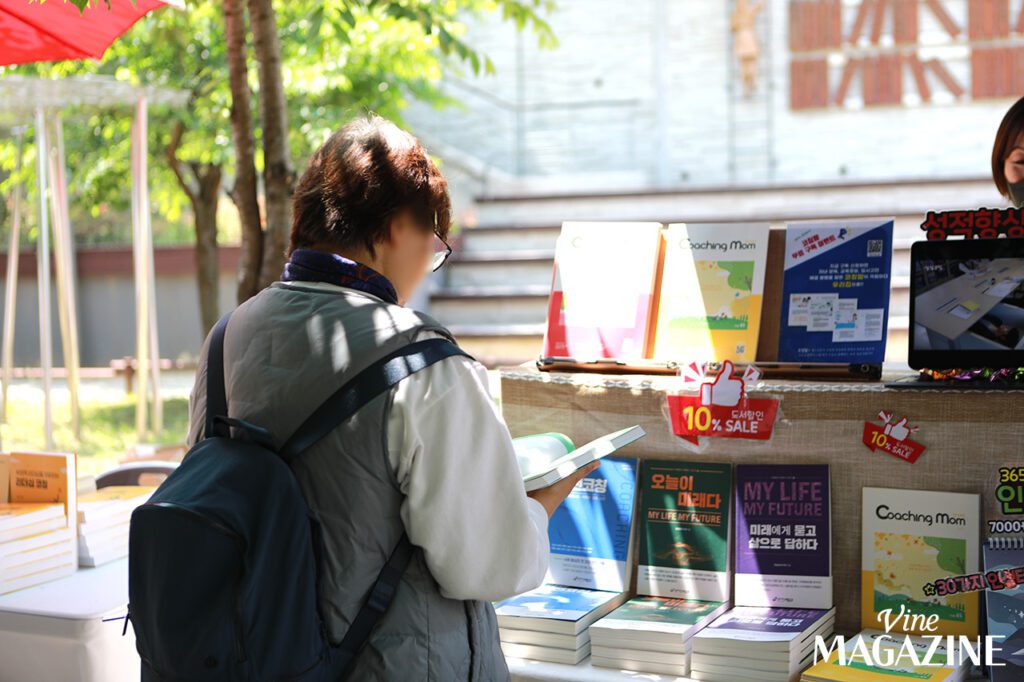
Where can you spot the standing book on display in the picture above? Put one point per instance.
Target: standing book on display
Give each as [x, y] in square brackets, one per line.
[603, 290]
[783, 536]
[685, 528]
[835, 292]
[725, 265]
[911, 538]
[591, 532]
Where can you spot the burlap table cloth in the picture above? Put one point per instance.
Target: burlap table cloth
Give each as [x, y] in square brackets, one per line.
[968, 435]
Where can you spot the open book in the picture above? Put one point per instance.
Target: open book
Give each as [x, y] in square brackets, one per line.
[545, 466]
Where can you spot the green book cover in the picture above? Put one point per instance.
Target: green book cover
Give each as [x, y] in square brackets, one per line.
[660, 614]
[686, 525]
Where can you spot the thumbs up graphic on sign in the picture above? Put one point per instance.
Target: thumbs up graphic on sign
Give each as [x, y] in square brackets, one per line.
[898, 431]
[725, 390]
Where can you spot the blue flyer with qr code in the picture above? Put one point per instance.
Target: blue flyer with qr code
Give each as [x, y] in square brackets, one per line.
[835, 291]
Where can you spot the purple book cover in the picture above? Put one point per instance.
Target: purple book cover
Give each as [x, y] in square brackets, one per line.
[750, 619]
[782, 519]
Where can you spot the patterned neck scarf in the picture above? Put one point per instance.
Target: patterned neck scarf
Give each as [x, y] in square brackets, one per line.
[310, 265]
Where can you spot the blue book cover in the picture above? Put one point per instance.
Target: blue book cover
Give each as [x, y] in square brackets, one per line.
[554, 603]
[590, 532]
[835, 291]
[1005, 610]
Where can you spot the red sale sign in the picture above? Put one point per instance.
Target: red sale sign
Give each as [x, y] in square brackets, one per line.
[893, 437]
[723, 410]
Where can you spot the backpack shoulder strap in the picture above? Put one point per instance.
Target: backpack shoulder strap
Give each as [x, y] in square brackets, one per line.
[377, 378]
[357, 392]
[376, 604]
[216, 395]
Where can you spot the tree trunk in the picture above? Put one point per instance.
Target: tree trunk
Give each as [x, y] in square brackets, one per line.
[278, 174]
[207, 260]
[244, 193]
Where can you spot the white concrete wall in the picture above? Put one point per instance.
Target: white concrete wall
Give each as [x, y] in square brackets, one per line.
[640, 94]
[106, 318]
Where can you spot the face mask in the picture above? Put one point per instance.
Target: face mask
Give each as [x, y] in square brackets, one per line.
[1016, 192]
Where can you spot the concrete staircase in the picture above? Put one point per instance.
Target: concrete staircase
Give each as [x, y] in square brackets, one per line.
[494, 291]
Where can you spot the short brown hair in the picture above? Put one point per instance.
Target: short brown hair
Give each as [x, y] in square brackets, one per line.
[1010, 132]
[358, 179]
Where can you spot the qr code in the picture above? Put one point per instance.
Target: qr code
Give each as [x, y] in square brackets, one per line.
[875, 247]
[741, 348]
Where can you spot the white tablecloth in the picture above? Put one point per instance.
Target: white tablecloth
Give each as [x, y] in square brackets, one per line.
[69, 630]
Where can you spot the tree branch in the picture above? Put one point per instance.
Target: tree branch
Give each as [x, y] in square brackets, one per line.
[171, 153]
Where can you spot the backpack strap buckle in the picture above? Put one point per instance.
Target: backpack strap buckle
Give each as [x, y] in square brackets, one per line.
[256, 434]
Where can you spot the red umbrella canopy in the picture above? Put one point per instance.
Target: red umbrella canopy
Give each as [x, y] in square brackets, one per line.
[54, 30]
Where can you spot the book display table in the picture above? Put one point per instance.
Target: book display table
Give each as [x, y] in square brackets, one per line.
[967, 437]
[69, 629]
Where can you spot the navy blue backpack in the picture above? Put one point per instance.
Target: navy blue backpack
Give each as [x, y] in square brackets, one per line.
[222, 568]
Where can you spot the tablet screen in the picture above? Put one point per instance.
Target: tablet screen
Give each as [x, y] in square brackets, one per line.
[967, 304]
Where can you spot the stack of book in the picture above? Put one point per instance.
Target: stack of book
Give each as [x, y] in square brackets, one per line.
[683, 574]
[755, 644]
[591, 541]
[651, 634]
[875, 656]
[37, 533]
[551, 623]
[36, 545]
[103, 520]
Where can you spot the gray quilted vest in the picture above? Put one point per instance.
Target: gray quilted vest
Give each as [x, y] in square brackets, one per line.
[286, 350]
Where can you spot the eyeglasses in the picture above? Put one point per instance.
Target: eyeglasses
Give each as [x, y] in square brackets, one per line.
[441, 253]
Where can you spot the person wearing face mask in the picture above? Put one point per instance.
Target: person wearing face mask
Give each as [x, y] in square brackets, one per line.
[1008, 155]
[431, 458]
